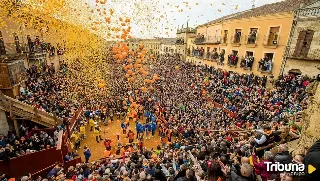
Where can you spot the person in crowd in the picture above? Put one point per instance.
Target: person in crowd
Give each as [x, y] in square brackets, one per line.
[87, 153]
[283, 156]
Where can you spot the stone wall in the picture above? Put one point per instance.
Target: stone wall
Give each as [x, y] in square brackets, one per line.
[310, 128]
[4, 127]
[307, 67]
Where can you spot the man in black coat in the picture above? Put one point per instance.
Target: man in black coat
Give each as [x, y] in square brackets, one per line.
[312, 159]
[283, 156]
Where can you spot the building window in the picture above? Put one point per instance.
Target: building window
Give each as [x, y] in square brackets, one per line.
[225, 36]
[234, 52]
[265, 64]
[247, 61]
[273, 37]
[237, 36]
[303, 43]
[252, 37]
[233, 58]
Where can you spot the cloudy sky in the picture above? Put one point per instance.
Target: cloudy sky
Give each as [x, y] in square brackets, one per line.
[160, 18]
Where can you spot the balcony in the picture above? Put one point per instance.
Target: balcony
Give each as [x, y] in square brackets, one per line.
[211, 56]
[247, 62]
[212, 40]
[236, 41]
[271, 42]
[198, 54]
[308, 12]
[265, 66]
[251, 41]
[311, 54]
[199, 40]
[180, 41]
[224, 40]
[12, 48]
[233, 60]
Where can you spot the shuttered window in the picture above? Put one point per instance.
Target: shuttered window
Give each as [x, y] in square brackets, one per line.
[303, 43]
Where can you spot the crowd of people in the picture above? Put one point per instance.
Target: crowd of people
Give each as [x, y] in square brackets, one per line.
[179, 103]
[199, 140]
[29, 142]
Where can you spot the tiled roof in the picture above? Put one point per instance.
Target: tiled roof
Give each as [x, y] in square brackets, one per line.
[274, 8]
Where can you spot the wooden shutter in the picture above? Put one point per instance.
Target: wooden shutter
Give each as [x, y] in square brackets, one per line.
[307, 43]
[299, 44]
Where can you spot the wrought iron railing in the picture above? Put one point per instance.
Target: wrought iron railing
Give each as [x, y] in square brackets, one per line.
[251, 39]
[199, 40]
[212, 39]
[236, 39]
[271, 41]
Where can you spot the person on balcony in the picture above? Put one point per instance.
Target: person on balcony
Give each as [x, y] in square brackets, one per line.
[237, 37]
[252, 37]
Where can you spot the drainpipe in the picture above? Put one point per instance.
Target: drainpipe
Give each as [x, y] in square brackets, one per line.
[287, 49]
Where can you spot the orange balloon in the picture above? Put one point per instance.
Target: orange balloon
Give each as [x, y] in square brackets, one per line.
[130, 72]
[145, 73]
[100, 85]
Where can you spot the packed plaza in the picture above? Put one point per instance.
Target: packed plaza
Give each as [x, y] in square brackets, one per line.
[198, 107]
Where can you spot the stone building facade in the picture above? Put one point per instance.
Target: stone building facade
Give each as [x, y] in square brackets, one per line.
[303, 50]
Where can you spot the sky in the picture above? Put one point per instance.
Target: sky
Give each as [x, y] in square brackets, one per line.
[161, 18]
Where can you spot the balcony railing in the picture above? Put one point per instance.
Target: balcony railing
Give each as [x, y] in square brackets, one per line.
[11, 48]
[271, 42]
[179, 42]
[236, 40]
[312, 54]
[212, 40]
[199, 40]
[308, 12]
[247, 63]
[232, 60]
[212, 56]
[251, 40]
[264, 66]
[198, 54]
